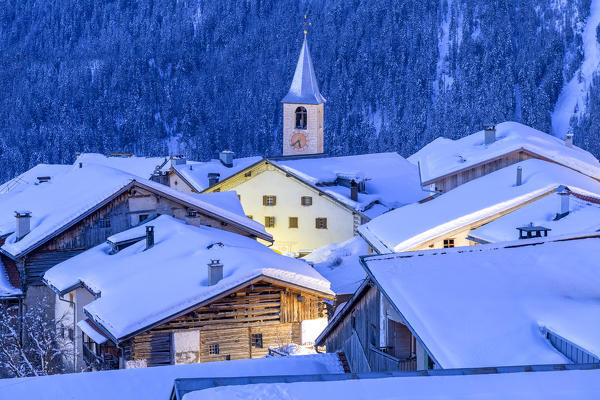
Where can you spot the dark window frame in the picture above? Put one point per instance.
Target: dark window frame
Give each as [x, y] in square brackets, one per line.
[301, 115]
[256, 340]
[306, 201]
[449, 243]
[321, 223]
[213, 349]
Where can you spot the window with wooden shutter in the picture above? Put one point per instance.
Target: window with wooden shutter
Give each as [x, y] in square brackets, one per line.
[269, 200]
[293, 222]
[269, 222]
[321, 223]
[306, 201]
[448, 243]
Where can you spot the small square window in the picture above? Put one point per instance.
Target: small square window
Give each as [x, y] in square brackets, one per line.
[321, 223]
[306, 201]
[269, 201]
[293, 222]
[448, 243]
[256, 340]
[213, 348]
[248, 174]
[269, 222]
[142, 217]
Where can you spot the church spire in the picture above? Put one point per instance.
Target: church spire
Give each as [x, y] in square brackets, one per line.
[304, 88]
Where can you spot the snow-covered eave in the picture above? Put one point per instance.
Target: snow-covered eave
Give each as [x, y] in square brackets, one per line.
[432, 180]
[260, 277]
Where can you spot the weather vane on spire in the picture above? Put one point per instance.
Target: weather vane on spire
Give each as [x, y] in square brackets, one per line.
[306, 24]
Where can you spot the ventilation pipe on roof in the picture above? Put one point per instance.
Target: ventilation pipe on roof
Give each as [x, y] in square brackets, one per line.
[569, 140]
[80, 165]
[490, 133]
[215, 272]
[226, 158]
[149, 236]
[353, 190]
[519, 176]
[23, 227]
[43, 179]
[563, 192]
[213, 178]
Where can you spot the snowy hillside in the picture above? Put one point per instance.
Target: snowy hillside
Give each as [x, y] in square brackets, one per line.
[196, 77]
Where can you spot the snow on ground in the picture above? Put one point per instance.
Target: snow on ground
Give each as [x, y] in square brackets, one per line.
[390, 179]
[443, 156]
[573, 96]
[488, 305]
[172, 275]
[196, 174]
[555, 385]
[339, 263]
[583, 217]
[156, 383]
[409, 226]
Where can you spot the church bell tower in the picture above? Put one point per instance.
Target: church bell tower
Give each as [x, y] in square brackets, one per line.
[303, 110]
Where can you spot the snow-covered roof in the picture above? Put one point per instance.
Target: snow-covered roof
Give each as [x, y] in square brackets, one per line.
[227, 200]
[196, 174]
[490, 305]
[30, 177]
[171, 277]
[156, 383]
[389, 179]
[547, 385]
[340, 264]
[140, 166]
[58, 204]
[584, 216]
[304, 88]
[445, 156]
[409, 226]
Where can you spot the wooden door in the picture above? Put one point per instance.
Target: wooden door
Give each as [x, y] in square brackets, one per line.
[161, 349]
[399, 340]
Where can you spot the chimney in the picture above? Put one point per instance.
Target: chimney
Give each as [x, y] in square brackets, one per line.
[80, 165]
[23, 224]
[226, 158]
[563, 193]
[149, 236]
[215, 272]
[178, 160]
[490, 133]
[353, 190]
[569, 140]
[213, 178]
[519, 176]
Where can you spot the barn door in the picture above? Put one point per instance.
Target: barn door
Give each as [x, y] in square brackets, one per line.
[161, 349]
[399, 339]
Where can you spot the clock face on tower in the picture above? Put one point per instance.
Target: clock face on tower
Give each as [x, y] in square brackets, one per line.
[298, 141]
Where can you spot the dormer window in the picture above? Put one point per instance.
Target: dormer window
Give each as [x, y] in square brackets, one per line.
[301, 118]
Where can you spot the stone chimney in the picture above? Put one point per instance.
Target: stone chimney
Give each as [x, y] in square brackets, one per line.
[149, 236]
[23, 226]
[490, 133]
[563, 193]
[213, 178]
[226, 158]
[519, 176]
[353, 190]
[215, 272]
[569, 140]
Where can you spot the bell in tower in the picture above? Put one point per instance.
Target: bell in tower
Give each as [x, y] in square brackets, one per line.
[303, 109]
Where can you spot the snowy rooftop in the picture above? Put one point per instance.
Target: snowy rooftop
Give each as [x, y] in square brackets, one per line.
[548, 385]
[171, 276]
[140, 166]
[196, 174]
[584, 216]
[62, 201]
[409, 226]
[389, 178]
[30, 177]
[304, 88]
[489, 305]
[444, 156]
[156, 383]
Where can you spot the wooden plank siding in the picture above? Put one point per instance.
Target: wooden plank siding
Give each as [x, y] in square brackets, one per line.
[273, 311]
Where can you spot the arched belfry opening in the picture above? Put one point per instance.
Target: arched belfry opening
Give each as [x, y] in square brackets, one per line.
[301, 117]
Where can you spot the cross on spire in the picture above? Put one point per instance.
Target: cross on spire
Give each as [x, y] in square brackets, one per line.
[305, 25]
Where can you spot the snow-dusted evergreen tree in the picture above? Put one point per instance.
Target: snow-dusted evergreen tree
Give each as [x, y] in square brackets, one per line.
[30, 343]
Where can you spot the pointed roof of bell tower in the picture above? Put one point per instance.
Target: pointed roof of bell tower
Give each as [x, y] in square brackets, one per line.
[304, 88]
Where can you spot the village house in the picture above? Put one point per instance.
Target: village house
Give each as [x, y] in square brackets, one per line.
[445, 164]
[52, 221]
[448, 220]
[527, 302]
[167, 292]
